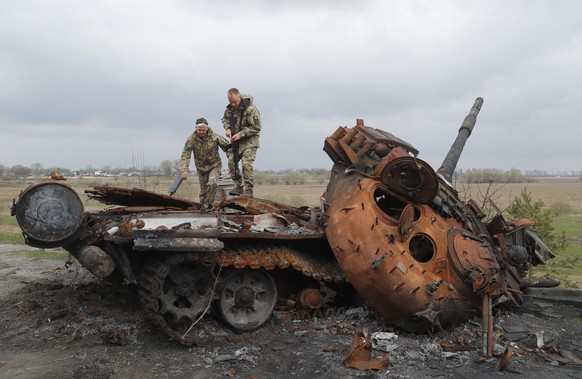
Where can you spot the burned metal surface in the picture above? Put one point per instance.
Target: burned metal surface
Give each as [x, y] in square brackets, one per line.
[177, 254]
[360, 355]
[390, 226]
[48, 212]
[135, 197]
[419, 255]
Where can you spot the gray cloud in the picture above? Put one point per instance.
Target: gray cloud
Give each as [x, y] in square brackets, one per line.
[92, 82]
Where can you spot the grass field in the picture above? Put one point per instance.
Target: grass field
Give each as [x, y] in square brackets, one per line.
[567, 266]
[550, 191]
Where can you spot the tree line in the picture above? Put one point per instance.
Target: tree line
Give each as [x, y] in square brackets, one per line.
[166, 168]
[171, 168]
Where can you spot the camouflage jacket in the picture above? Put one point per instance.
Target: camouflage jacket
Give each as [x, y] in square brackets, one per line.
[244, 120]
[205, 151]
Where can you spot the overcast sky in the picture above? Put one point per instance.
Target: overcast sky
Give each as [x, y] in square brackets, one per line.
[109, 82]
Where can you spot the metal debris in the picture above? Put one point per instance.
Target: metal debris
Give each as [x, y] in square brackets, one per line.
[360, 355]
[384, 341]
[389, 226]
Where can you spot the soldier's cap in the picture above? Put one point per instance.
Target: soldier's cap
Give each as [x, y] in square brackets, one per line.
[201, 121]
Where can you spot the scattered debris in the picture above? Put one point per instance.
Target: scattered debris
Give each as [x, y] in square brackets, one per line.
[384, 341]
[505, 359]
[391, 233]
[360, 355]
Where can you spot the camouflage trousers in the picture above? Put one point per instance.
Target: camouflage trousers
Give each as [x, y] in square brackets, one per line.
[247, 159]
[208, 186]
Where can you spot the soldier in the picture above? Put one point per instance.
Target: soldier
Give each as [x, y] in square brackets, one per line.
[242, 122]
[204, 144]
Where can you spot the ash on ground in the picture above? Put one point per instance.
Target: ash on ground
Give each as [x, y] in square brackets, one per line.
[58, 321]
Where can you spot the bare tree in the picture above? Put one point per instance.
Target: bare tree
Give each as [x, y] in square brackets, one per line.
[20, 171]
[483, 186]
[176, 166]
[166, 167]
[137, 159]
[36, 169]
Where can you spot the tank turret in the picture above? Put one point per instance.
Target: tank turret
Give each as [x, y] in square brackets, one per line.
[419, 255]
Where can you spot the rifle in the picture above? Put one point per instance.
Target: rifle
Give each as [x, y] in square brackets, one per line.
[235, 158]
[234, 145]
[235, 155]
[174, 187]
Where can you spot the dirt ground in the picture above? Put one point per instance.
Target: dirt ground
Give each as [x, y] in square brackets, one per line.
[60, 322]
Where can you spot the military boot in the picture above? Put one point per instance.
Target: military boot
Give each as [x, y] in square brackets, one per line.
[236, 191]
[247, 193]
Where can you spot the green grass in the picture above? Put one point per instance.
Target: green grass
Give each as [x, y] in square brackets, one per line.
[90, 205]
[568, 261]
[45, 254]
[11, 238]
[6, 219]
[9, 231]
[569, 224]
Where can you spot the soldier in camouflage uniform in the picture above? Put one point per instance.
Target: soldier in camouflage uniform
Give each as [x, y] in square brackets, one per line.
[204, 144]
[242, 122]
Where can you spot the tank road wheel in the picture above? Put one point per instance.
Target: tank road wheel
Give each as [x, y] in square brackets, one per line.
[247, 299]
[186, 292]
[176, 291]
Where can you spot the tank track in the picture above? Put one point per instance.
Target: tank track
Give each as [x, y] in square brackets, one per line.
[155, 272]
[270, 256]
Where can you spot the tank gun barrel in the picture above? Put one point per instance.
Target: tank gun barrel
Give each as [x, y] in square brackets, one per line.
[450, 162]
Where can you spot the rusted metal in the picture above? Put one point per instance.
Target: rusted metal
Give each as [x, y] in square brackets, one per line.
[455, 346]
[419, 255]
[310, 298]
[360, 355]
[487, 326]
[135, 196]
[271, 256]
[256, 206]
[411, 177]
[506, 359]
[389, 225]
[409, 280]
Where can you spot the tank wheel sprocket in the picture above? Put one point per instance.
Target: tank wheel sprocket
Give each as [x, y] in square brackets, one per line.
[176, 291]
[247, 299]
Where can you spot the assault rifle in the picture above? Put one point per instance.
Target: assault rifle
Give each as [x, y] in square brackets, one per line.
[234, 144]
[235, 153]
[174, 187]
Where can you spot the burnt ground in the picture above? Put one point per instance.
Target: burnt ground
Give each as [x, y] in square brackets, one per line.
[59, 322]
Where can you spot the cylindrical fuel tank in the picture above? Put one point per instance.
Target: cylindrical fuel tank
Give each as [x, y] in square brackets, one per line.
[94, 259]
[49, 212]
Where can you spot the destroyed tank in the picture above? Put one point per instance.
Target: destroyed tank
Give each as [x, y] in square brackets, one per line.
[389, 226]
